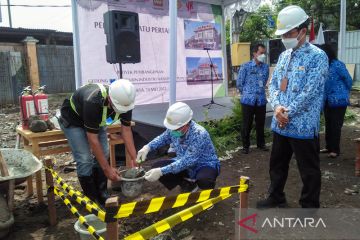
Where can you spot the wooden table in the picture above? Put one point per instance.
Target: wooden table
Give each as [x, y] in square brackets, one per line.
[54, 142]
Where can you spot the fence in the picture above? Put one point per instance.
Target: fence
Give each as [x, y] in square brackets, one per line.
[13, 76]
[56, 68]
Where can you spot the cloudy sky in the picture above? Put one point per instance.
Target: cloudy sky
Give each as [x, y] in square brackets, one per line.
[58, 18]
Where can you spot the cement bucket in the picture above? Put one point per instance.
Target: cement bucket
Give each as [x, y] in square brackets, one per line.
[132, 182]
[92, 220]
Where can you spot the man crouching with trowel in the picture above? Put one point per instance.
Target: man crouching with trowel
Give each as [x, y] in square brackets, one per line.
[195, 165]
[84, 119]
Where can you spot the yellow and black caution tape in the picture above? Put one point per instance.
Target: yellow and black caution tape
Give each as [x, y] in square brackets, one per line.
[161, 203]
[79, 197]
[81, 218]
[150, 206]
[169, 222]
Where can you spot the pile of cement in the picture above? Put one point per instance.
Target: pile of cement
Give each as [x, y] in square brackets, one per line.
[134, 173]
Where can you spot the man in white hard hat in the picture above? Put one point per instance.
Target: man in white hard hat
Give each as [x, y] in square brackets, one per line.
[296, 95]
[196, 158]
[251, 82]
[84, 118]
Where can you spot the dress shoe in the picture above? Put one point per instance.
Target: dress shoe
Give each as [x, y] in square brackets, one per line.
[324, 150]
[263, 148]
[333, 155]
[271, 203]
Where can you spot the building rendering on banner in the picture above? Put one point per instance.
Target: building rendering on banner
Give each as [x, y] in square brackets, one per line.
[206, 36]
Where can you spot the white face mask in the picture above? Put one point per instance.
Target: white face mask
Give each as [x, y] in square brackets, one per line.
[261, 58]
[290, 42]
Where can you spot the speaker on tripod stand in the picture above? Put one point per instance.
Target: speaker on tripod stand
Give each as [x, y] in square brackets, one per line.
[122, 37]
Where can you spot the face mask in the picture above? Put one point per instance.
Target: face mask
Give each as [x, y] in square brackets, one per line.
[177, 133]
[261, 58]
[290, 42]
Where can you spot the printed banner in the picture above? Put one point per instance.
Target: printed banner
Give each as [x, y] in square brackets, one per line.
[199, 30]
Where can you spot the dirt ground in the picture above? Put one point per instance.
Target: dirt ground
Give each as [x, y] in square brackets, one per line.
[31, 219]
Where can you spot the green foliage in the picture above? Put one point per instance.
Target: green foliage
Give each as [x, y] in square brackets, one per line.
[227, 32]
[225, 133]
[350, 116]
[256, 26]
[327, 12]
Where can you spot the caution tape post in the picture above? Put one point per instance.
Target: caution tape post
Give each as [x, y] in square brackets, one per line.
[50, 194]
[112, 226]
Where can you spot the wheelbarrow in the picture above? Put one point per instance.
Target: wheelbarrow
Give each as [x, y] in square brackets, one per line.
[15, 166]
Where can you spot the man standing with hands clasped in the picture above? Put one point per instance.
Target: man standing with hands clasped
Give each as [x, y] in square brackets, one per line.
[296, 93]
[251, 83]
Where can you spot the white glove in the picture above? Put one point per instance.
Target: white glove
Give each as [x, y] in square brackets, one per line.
[142, 153]
[153, 174]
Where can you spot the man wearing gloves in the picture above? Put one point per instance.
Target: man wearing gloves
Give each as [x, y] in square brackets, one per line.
[251, 83]
[196, 158]
[84, 118]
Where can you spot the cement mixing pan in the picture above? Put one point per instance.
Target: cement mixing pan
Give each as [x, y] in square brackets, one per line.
[132, 181]
[20, 163]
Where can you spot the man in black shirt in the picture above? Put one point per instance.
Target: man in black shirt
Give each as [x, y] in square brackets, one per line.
[84, 118]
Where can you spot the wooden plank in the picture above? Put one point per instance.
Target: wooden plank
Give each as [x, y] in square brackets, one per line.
[50, 195]
[53, 143]
[5, 172]
[55, 151]
[3, 167]
[112, 228]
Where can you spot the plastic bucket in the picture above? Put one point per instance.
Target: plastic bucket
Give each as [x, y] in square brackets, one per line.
[92, 220]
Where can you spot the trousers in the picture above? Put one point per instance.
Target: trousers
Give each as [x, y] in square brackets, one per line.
[248, 113]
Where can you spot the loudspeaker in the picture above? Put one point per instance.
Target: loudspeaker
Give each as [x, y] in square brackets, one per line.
[331, 38]
[122, 37]
[275, 49]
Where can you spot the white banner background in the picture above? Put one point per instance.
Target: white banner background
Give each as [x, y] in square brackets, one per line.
[151, 75]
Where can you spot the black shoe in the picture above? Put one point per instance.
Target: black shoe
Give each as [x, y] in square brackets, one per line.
[245, 150]
[101, 184]
[89, 188]
[271, 203]
[263, 148]
[187, 186]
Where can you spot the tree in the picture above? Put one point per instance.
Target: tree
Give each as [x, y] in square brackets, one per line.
[256, 26]
[327, 12]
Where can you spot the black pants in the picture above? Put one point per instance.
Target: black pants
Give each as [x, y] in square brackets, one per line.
[307, 158]
[205, 177]
[334, 119]
[248, 113]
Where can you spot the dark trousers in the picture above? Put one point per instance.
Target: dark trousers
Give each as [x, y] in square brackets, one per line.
[248, 113]
[205, 177]
[307, 158]
[334, 119]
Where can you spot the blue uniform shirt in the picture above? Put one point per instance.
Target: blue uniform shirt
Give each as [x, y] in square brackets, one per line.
[193, 151]
[251, 83]
[338, 85]
[303, 97]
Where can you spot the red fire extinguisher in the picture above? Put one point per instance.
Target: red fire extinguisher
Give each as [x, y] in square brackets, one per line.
[27, 107]
[41, 103]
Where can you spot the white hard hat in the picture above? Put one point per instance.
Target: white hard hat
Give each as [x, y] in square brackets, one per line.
[178, 115]
[122, 94]
[290, 18]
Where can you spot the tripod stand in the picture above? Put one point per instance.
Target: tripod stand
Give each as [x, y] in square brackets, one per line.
[212, 102]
